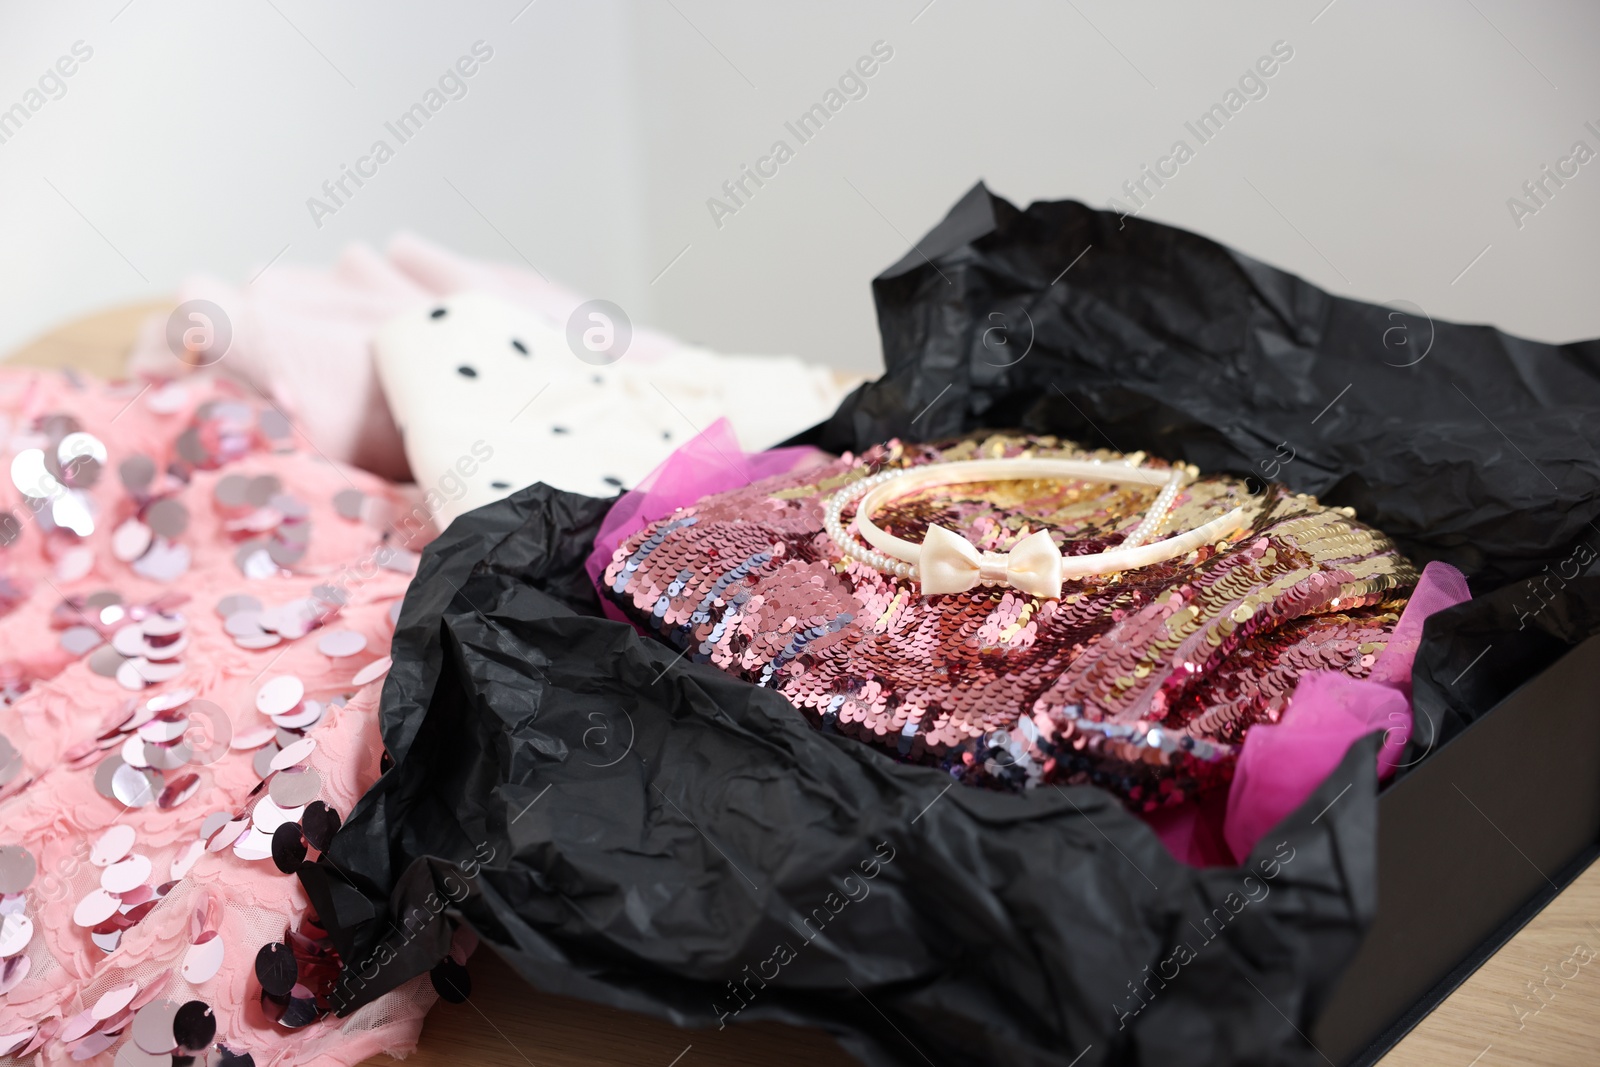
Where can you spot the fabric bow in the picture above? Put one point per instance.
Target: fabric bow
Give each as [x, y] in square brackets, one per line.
[949, 563]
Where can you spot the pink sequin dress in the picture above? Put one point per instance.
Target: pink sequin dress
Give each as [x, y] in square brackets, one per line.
[195, 608]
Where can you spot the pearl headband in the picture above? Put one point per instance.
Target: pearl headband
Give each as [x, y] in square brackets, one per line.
[945, 562]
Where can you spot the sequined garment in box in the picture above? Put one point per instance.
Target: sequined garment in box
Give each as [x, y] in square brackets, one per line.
[1143, 682]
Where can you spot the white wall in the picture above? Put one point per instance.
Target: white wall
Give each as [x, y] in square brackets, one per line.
[1378, 164]
[194, 136]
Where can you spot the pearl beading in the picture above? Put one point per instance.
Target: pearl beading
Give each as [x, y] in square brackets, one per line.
[1159, 511]
[849, 543]
[833, 522]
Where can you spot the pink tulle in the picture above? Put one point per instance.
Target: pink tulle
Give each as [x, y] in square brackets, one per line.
[1283, 763]
[1279, 766]
[711, 462]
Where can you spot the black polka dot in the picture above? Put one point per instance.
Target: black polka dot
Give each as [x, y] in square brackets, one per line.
[437, 313]
[499, 485]
[466, 371]
[599, 380]
[519, 346]
[612, 479]
[559, 429]
[666, 435]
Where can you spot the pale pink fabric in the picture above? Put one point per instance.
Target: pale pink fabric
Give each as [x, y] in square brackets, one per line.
[53, 808]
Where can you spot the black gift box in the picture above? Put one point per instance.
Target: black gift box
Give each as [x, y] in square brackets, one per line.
[1034, 928]
[1471, 845]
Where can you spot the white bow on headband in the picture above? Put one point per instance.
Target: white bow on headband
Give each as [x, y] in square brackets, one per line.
[949, 563]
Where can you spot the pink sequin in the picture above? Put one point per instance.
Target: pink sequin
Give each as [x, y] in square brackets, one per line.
[1143, 682]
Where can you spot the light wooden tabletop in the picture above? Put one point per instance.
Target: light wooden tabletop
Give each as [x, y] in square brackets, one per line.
[1535, 1003]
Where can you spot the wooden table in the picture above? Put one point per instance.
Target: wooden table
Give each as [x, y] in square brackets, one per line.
[1536, 1002]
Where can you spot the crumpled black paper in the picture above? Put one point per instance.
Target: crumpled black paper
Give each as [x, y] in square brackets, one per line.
[1463, 443]
[652, 834]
